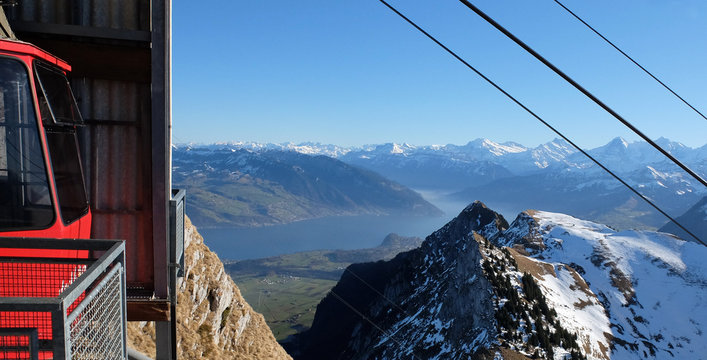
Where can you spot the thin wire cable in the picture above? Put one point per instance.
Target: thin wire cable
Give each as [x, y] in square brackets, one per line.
[630, 58]
[381, 295]
[517, 102]
[377, 292]
[269, 311]
[583, 90]
[364, 317]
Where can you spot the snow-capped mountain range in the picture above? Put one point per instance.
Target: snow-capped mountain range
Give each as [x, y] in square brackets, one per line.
[509, 154]
[308, 148]
[547, 286]
[234, 187]
[618, 155]
[556, 156]
[553, 176]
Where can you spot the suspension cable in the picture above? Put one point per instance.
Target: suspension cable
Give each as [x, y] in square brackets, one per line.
[367, 319]
[537, 117]
[376, 291]
[582, 90]
[630, 58]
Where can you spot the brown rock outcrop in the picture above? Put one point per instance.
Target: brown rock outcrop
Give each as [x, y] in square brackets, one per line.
[213, 319]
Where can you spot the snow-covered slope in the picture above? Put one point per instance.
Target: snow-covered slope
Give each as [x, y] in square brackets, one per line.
[652, 286]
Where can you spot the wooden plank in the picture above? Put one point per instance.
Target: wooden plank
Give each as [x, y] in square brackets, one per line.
[148, 310]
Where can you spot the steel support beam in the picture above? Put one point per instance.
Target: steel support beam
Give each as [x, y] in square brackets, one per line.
[161, 165]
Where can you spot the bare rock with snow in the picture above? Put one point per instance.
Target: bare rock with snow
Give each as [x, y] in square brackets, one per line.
[652, 287]
[546, 286]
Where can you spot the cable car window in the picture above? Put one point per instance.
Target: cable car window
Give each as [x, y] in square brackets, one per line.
[62, 142]
[68, 176]
[58, 106]
[25, 201]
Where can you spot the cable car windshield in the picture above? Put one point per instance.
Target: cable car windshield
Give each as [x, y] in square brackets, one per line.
[25, 202]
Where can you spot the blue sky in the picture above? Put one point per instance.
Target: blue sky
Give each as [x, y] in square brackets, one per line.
[353, 73]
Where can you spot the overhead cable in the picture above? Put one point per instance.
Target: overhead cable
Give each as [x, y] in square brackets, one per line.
[583, 90]
[508, 95]
[630, 58]
[364, 317]
[377, 292]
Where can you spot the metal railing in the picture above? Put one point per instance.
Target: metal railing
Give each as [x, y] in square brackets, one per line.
[166, 332]
[177, 210]
[62, 299]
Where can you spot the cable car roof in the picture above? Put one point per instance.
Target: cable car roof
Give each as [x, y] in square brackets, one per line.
[29, 49]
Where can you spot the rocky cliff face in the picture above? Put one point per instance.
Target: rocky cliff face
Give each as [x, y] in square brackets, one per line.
[546, 286]
[213, 319]
[430, 302]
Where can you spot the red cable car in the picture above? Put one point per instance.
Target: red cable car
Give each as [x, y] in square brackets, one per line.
[42, 190]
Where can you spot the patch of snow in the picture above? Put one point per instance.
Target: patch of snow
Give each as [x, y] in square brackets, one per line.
[578, 311]
[654, 286]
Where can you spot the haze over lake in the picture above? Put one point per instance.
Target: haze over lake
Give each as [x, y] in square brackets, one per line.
[329, 233]
[339, 232]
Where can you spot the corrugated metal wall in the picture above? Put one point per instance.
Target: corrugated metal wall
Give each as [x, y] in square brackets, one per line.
[118, 165]
[115, 14]
[108, 44]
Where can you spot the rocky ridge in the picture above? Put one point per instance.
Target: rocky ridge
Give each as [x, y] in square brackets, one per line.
[213, 319]
[546, 286]
[411, 314]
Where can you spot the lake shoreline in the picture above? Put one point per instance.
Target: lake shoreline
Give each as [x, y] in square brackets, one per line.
[329, 233]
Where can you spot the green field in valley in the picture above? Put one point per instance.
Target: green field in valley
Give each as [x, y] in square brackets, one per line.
[286, 289]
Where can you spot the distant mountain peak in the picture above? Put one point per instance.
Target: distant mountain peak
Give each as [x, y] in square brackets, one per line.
[559, 142]
[399, 149]
[618, 142]
[670, 146]
[392, 148]
[395, 240]
[496, 148]
[481, 219]
[513, 144]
